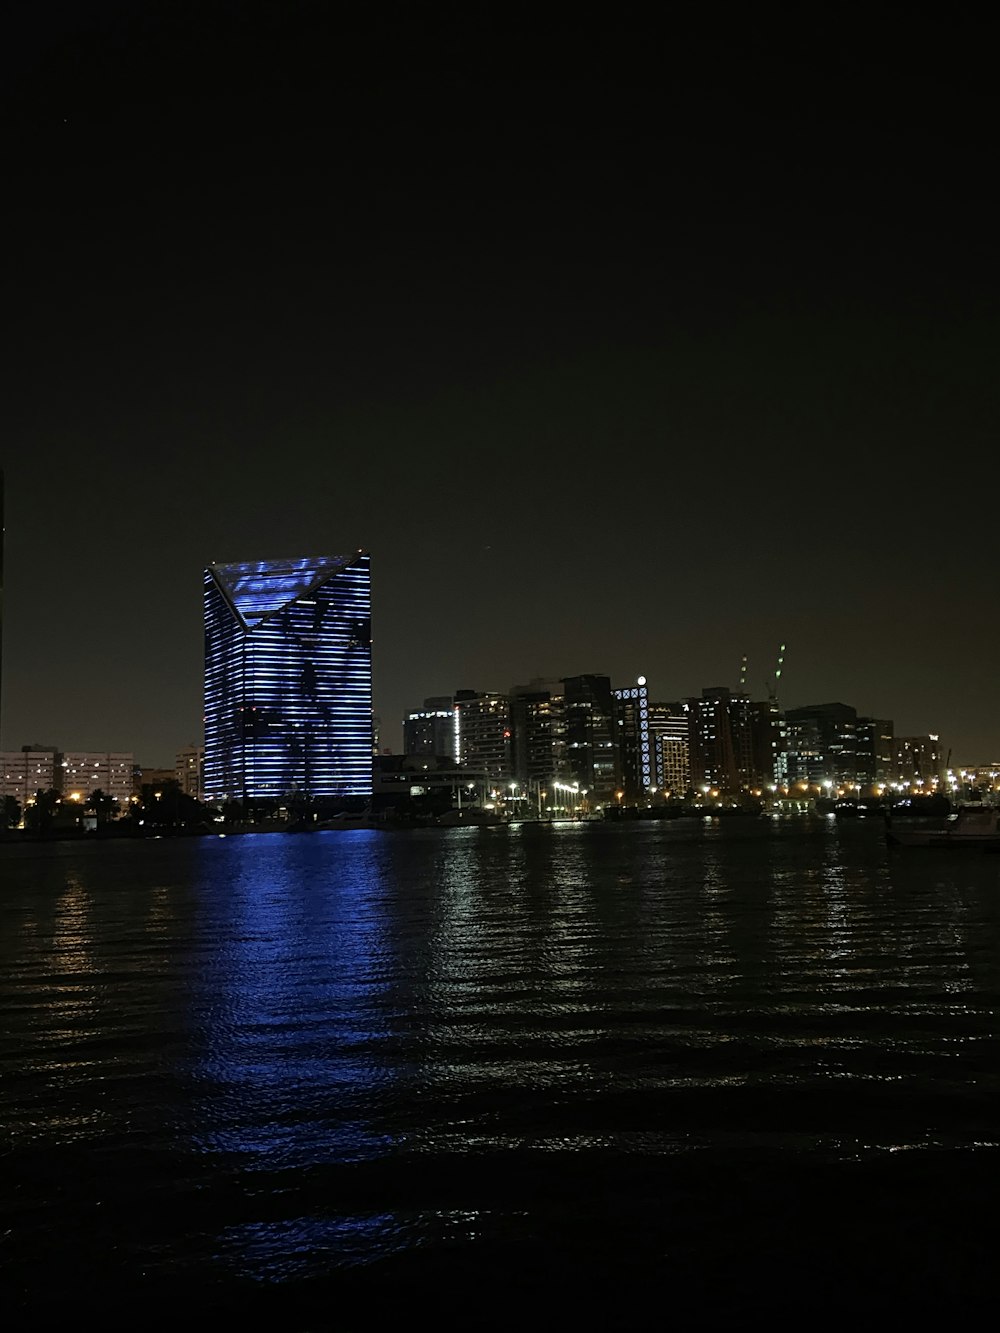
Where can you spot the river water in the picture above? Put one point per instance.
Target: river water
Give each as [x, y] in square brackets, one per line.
[621, 1074]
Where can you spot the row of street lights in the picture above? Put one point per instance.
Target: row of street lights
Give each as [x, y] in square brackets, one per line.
[569, 801]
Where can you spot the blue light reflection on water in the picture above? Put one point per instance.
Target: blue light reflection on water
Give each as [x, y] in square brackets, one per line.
[296, 1001]
[292, 1053]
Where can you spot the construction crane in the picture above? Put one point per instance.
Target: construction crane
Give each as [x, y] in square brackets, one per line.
[772, 685]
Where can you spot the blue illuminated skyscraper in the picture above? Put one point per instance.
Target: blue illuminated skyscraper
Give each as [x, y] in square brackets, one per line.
[288, 678]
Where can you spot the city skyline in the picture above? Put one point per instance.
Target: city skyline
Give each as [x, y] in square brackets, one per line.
[635, 371]
[391, 725]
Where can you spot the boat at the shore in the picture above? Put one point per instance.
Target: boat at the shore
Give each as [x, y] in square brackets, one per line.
[969, 826]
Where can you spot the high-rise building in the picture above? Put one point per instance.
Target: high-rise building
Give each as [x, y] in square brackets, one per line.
[538, 732]
[821, 741]
[768, 744]
[431, 730]
[918, 760]
[590, 736]
[189, 770]
[668, 727]
[875, 753]
[635, 750]
[720, 740]
[481, 733]
[288, 678]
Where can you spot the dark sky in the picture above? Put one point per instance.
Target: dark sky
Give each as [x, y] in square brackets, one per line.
[623, 349]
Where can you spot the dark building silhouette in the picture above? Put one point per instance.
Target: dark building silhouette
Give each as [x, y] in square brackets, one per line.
[875, 751]
[720, 740]
[918, 760]
[431, 729]
[821, 741]
[589, 732]
[768, 744]
[538, 732]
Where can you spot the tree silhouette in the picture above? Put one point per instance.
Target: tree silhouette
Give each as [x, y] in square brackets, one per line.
[41, 811]
[103, 806]
[166, 807]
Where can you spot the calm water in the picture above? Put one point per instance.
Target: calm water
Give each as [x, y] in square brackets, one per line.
[323, 1081]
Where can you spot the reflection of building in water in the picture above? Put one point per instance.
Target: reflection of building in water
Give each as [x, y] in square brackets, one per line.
[288, 678]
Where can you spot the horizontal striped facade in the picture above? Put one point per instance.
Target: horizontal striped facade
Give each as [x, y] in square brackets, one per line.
[288, 679]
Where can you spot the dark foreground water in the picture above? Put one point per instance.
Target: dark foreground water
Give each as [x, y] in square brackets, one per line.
[623, 1076]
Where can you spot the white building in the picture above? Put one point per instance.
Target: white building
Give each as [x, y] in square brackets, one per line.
[189, 766]
[24, 772]
[86, 771]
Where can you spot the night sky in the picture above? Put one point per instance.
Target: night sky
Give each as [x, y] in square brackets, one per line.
[623, 350]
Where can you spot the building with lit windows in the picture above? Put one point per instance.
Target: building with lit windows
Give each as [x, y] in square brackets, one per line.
[768, 745]
[431, 730]
[918, 760]
[720, 740]
[538, 732]
[635, 751]
[668, 727]
[481, 733]
[288, 678]
[80, 773]
[821, 741]
[875, 751]
[26, 771]
[189, 767]
[590, 736]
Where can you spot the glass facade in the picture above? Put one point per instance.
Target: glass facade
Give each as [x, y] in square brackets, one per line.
[288, 678]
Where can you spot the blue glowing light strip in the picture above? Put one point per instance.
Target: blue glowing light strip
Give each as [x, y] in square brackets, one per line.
[288, 701]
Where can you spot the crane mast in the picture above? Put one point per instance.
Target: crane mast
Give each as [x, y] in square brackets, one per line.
[772, 685]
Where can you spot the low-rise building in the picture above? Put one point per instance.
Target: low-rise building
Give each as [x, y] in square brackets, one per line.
[82, 772]
[26, 771]
[189, 770]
